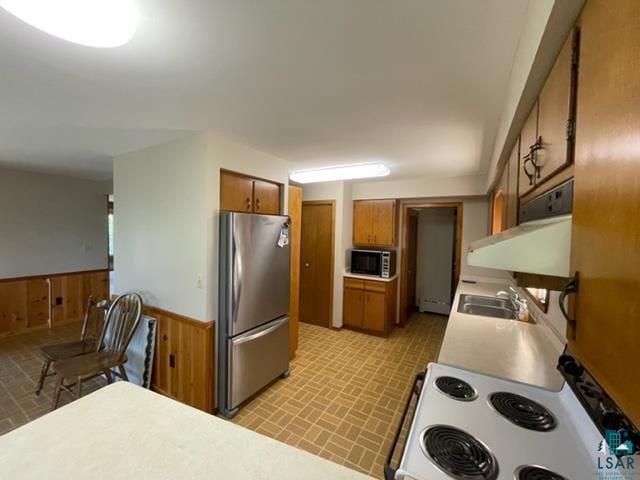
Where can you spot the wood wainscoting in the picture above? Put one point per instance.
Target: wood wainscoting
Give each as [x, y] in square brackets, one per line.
[183, 367]
[27, 302]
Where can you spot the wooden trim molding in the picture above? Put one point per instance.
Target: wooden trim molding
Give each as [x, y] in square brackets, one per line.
[156, 311]
[406, 206]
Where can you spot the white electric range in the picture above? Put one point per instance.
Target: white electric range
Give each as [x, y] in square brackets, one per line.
[470, 426]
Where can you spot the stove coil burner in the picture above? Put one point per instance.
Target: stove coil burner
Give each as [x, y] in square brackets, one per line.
[456, 388]
[458, 454]
[523, 412]
[536, 473]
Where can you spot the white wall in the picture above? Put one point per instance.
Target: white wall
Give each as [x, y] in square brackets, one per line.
[160, 222]
[434, 264]
[341, 193]
[421, 187]
[167, 204]
[228, 155]
[51, 224]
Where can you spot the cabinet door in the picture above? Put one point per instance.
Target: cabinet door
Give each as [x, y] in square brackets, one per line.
[384, 218]
[528, 138]
[555, 114]
[374, 311]
[512, 186]
[266, 197]
[362, 222]
[352, 313]
[236, 192]
[605, 203]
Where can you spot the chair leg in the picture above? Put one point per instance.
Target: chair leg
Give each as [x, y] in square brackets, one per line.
[78, 387]
[56, 393]
[43, 374]
[123, 373]
[107, 373]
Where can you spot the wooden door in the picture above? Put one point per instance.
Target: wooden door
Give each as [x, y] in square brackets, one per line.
[555, 113]
[374, 311]
[295, 214]
[316, 271]
[528, 137]
[266, 197]
[606, 230]
[412, 259]
[512, 186]
[362, 222]
[353, 307]
[383, 222]
[236, 192]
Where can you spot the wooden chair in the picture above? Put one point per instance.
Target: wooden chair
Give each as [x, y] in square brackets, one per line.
[86, 344]
[120, 324]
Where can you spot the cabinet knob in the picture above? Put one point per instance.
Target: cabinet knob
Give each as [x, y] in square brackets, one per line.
[257, 204]
[306, 265]
[248, 203]
[368, 238]
[375, 238]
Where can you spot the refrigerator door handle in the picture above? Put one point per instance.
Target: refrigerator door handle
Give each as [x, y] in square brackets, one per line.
[261, 333]
[237, 279]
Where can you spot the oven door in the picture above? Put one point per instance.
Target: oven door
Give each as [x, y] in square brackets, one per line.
[366, 262]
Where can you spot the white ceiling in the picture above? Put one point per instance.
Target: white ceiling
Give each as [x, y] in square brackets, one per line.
[419, 84]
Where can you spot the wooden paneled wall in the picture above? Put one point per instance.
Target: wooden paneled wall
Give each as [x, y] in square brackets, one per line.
[183, 363]
[24, 302]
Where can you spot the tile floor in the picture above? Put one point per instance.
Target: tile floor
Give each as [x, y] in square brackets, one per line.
[342, 401]
[20, 365]
[346, 391]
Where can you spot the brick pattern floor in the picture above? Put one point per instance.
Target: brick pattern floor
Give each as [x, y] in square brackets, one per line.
[342, 401]
[344, 397]
[20, 365]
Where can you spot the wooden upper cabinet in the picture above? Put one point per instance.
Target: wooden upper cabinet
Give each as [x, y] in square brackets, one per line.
[556, 112]
[384, 222]
[528, 137]
[606, 197]
[374, 222]
[362, 222]
[512, 186]
[236, 192]
[266, 197]
[241, 193]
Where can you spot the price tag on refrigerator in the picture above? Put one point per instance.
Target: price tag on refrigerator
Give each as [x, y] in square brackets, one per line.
[283, 239]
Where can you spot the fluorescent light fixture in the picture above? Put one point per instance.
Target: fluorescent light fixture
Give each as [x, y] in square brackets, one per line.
[96, 23]
[343, 172]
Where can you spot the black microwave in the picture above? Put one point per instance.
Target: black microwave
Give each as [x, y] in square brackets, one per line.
[380, 263]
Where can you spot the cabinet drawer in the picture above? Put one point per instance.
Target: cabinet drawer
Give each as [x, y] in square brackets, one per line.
[353, 283]
[371, 286]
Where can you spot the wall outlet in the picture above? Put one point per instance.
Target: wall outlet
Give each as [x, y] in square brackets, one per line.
[199, 282]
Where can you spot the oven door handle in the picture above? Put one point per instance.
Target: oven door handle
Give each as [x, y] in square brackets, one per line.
[389, 471]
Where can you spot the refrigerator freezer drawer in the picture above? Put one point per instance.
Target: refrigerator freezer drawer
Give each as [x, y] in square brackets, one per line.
[256, 358]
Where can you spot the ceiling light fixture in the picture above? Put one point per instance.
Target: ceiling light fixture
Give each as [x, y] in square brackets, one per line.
[96, 23]
[343, 172]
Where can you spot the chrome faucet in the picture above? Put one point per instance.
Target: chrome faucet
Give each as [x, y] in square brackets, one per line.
[513, 296]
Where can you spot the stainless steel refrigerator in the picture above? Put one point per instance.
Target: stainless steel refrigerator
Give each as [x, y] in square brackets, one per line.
[253, 306]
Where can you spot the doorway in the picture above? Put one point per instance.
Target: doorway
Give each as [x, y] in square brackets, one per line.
[316, 269]
[430, 264]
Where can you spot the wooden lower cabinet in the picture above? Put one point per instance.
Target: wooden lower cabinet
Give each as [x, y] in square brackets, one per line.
[369, 305]
[183, 367]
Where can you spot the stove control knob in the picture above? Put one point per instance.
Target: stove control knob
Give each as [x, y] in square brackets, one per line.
[572, 368]
[612, 420]
[564, 359]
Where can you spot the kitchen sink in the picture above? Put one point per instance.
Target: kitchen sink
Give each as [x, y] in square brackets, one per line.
[486, 306]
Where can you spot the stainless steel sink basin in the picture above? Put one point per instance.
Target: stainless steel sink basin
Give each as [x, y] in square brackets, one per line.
[486, 306]
[482, 300]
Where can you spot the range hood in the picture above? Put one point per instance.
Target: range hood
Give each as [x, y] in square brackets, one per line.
[540, 246]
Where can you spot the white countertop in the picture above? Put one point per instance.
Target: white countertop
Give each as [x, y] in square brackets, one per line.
[375, 278]
[126, 432]
[519, 351]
